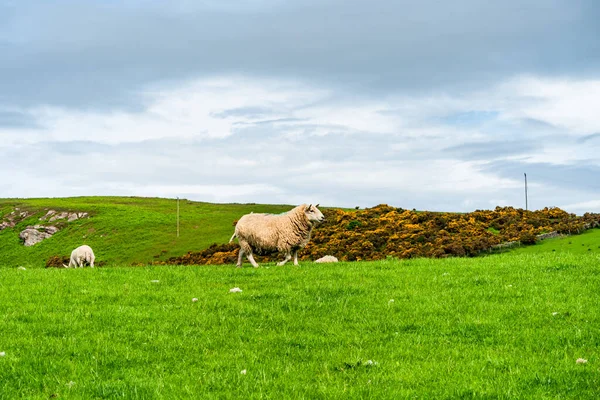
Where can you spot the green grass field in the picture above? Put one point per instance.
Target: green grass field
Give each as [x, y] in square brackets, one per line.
[587, 242]
[503, 326]
[124, 230]
[509, 325]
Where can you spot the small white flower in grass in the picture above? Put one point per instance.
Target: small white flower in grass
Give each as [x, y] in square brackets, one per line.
[22, 268]
[155, 281]
[391, 301]
[194, 299]
[70, 384]
[554, 313]
[2, 354]
[243, 372]
[235, 290]
[509, 286]
[581, 361]
[371, 362]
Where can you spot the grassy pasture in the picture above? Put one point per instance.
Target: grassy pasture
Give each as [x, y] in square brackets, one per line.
[587, 242]
[123, 230]
[503, 326]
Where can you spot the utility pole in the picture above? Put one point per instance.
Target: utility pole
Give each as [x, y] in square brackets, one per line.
[526, 205]
[177, 216]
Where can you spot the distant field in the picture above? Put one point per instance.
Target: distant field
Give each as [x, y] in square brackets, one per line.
[503, 326]
[586, 243]
[124, 230]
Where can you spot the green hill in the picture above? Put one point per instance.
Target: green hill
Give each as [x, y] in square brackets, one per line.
[587, 242]
[140, 231]
[121, 230]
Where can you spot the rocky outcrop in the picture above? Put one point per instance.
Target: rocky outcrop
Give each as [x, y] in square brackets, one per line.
[7, 224]
[35, 234]
[506, 245]
[327, 259]
[549, 235]
[48, 215]
[53, 215]
[13, 218]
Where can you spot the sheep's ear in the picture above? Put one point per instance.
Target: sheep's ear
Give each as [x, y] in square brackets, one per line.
[316, 206]
[309, 206]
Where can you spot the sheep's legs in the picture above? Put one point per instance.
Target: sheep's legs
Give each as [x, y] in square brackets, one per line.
[288, 257]
[240, 255]
[296, 257]
[251, 259]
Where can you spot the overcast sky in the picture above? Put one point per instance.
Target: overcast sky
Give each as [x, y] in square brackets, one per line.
[433, 105]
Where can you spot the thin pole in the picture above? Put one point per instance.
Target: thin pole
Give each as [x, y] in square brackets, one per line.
[177, 216]
[526, 205]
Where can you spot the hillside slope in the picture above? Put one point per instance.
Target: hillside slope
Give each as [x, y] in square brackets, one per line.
[121, 230]
[586, 243]
[140, 231]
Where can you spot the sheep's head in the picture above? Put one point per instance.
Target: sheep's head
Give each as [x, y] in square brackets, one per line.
[313, 214]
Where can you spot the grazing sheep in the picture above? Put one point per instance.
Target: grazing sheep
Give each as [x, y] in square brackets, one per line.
[81, 256]
[269, 233]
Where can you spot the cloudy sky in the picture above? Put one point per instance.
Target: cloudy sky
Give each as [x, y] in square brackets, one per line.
[431, 105]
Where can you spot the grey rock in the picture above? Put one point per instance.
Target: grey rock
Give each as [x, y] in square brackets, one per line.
[61, 215]
[48, 215]
[6, 224]
[548, 235]
[35, 234]
[327, 259]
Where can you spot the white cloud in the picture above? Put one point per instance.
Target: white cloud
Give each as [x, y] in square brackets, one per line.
[581, 207]
[569, 104]
[198, 109]
[236, 138]
[214, 193]
[427, 176]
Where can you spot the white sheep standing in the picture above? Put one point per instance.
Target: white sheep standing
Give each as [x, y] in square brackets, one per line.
[81, 256]
[269, 233]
